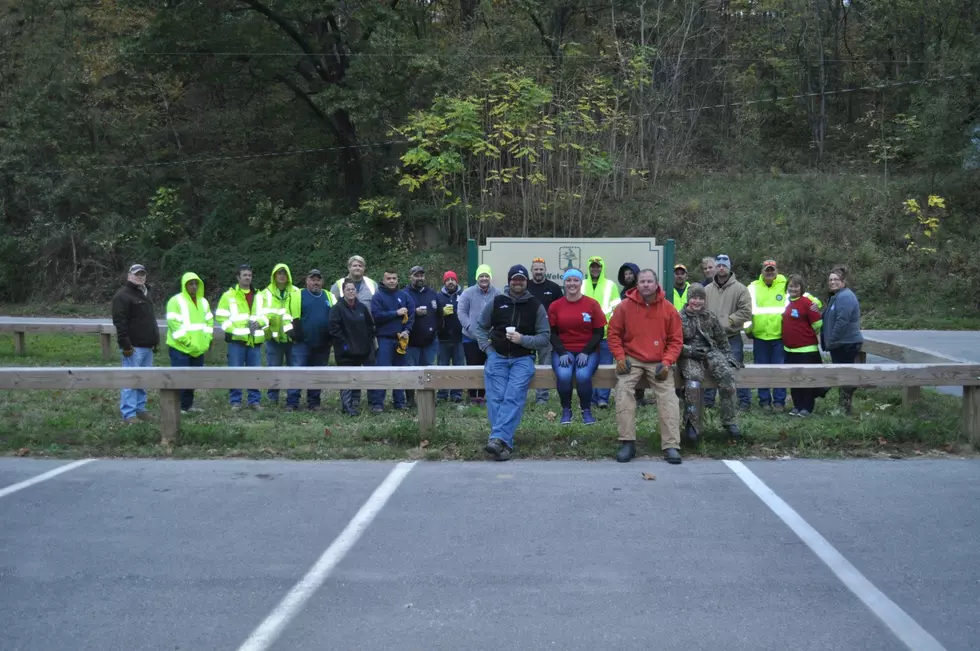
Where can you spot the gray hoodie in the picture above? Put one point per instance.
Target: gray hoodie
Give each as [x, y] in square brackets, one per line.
[541, 338]
[841, 320]
[470, 306]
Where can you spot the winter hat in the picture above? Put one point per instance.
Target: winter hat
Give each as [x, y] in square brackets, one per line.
[484, 269]
[449, 274]
[723, 260]
[696, 290]
[517, 270]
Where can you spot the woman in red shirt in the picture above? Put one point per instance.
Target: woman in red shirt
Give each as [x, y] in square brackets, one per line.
[801, 327]
[577, 324]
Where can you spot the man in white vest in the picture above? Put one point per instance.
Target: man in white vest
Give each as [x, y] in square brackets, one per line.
[355, 271]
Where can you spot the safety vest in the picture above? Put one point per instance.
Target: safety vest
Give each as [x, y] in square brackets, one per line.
[233, 316]
[371, 285]
[768, 305]
[190, 326]
[280, 311]
[607, 297]
[680, 300]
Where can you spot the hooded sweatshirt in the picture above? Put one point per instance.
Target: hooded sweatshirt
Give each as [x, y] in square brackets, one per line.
[523, 312]
[472, 302]
[451, 331]
[622, 281]
[602, 289]
[384, 309]
[316, 317]
[426, 327]
[730, 303]
[646, 332]
[190, 323]
[281, 306]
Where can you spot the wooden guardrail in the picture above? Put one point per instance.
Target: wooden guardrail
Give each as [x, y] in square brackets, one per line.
[427, 380]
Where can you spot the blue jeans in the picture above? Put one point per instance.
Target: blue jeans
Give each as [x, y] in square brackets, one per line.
[507, 380]
[582, 376]
[451, 354]
[744, 395]
[277, 354]
[240, 354]
[183, 360]
[133, 401]
[770, 351]
[542, 396]
[388, 357]
[605, 357]
[420, 356]
[303, 355]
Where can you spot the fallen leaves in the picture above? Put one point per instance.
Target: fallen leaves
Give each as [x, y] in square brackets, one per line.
[424, 444]
[326, 432]
[23, 452]
[551, 415]
[647, 476]
[882, 440]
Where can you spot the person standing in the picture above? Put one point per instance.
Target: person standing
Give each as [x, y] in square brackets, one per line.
[190, 329]
[645, 338]
[546, 291]
[577, 325]
[311, 340]
[138, 336]
[471, 304]
[282, 303]
[768, 294]
[603, 290]
[510, 331]
[627, 277]
[423, 340]
[708, 269]
[352, 332]
[450, 332]
[802, 322]
[706, 350]
[366, 287]
[242, 318]
[679, 294]
[841, 331]
[393, 315]
[729, 300]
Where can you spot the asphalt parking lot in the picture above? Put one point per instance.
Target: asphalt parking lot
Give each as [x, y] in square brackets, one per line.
[255, 555]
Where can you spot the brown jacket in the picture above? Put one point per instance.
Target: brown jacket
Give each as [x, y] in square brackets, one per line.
[731, 303]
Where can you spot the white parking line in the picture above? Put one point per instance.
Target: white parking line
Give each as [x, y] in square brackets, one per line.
[269, 630]
[904, 627]
[43, 477]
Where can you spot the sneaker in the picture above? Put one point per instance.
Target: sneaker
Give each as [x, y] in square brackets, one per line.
[566, 416]
[132, 420]
[804, 413]
[497, 449]
[778, 409]
[236, 406]
[290, 408]
[257, 407]
[587, 417]
[144, 416]
[602, 404]
[195, 410]
[794, 412]
[377, 409]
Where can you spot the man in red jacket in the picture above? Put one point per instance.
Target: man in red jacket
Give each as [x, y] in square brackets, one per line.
[645, 339]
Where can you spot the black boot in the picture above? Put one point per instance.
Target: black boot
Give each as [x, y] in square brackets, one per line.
[627, 450]
[691, 432]
[734, 433]
[672, 455]
[497, 449]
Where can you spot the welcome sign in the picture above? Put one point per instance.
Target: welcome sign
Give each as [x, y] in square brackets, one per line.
[561, 254]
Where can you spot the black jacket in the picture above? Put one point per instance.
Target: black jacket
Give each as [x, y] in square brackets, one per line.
[352, 331]
[132, 314]
[450, 331]
[546, 293]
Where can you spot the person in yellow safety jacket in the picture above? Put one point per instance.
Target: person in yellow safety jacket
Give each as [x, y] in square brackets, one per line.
[606, 292]
[769, 298]
[190, 329]
[680, 287]
[282, 304]
[242, 317]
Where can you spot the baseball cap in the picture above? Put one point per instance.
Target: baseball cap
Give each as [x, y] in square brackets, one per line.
[449, 274]
[679, 266]
[517, 270]
[769, 263]
[137, 268]
[417, 269]
[314, 272]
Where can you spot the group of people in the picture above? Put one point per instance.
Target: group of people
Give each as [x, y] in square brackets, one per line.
[586, 321]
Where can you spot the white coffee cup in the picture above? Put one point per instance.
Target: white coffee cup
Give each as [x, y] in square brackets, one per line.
[511, 329]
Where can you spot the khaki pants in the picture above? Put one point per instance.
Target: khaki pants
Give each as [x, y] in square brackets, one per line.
[668, 408]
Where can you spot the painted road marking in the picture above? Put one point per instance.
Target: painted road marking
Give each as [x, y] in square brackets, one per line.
[904, 627]
[43, 477]
[269, 630]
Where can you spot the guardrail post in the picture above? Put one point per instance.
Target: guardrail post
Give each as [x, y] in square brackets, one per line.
[910, 395]
[20, 343]
[426, 401]
[971, 415]
[169, 415]
[106, 346]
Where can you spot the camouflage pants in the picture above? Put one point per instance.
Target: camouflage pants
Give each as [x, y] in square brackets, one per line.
[693, 372]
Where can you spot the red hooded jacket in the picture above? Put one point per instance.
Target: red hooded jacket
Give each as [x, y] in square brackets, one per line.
[647, 333]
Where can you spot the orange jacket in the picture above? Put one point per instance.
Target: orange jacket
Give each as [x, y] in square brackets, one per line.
[647, 333]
